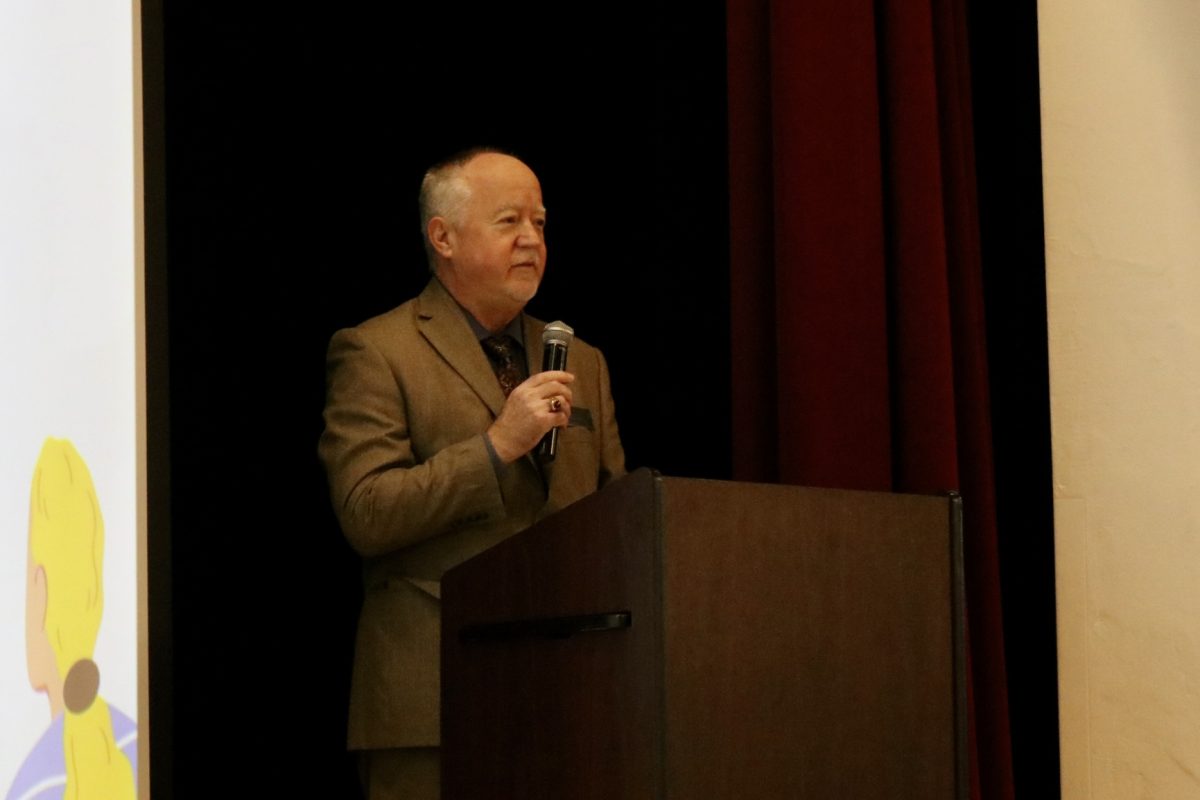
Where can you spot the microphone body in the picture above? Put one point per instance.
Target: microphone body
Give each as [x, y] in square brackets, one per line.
[556, 338]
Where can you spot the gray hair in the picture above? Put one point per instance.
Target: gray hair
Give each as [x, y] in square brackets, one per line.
[444, 191]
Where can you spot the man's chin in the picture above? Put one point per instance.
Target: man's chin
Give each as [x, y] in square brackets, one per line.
[524, 291]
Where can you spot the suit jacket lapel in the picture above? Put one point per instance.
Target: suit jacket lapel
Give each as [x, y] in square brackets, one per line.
[532, 328]
[441, 322]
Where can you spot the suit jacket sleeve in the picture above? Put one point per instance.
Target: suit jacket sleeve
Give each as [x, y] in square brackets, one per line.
[384, 497]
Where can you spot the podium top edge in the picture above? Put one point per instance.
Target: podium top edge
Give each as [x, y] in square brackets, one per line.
[658, 477]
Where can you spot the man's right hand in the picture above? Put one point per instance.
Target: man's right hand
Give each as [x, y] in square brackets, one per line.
[528, 414]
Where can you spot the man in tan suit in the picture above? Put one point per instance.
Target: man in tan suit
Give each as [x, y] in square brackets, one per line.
[429, 463]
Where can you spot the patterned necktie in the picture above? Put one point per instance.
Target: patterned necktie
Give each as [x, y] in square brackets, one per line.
[504, 352]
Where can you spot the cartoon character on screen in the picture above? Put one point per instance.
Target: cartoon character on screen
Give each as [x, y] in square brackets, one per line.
[90, 748]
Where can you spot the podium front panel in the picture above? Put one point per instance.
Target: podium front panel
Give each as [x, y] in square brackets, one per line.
[810, 643]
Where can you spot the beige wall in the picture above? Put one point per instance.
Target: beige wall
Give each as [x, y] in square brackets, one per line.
[1121, 148]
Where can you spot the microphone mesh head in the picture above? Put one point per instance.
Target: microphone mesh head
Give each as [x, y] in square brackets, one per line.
[558, 333]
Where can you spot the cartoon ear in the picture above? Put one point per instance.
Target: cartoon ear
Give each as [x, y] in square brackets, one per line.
[39, 656]
[38, 592]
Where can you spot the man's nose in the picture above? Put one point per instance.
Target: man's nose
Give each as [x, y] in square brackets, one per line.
[530, 233]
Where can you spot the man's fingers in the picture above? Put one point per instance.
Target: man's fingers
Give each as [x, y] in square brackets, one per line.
[551, 375]
[540, 403]
[541, 388]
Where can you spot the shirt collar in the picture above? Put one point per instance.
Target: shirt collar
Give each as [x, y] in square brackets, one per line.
[515, 328]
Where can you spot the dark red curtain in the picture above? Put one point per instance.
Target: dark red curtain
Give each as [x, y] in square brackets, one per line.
[857, 307]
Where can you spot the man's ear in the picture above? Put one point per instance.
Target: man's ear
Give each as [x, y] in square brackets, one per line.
[441, 237]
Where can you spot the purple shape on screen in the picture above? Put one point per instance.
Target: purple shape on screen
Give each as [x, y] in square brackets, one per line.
[43, 774]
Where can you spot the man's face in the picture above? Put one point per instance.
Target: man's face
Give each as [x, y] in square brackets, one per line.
[497, 238]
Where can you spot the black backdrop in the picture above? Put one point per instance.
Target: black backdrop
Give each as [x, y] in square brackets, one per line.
[285, 143]
[293, 140]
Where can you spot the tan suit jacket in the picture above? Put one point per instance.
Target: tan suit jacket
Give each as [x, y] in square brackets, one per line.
[409, 396]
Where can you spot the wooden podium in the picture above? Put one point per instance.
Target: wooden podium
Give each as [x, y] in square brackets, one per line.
[685, 639]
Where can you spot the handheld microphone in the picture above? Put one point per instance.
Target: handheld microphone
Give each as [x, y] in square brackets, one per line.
[556, 338]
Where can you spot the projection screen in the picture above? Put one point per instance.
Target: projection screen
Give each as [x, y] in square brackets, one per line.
[70, 472]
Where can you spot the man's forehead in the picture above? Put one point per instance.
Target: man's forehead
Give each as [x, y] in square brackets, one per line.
[513, 205]
[495, 197]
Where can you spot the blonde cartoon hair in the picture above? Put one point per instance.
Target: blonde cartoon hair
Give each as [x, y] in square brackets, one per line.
[66, 539]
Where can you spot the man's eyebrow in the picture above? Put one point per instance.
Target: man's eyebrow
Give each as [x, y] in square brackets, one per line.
[510, 208]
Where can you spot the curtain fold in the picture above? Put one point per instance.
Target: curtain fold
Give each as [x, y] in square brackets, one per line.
[857, 306]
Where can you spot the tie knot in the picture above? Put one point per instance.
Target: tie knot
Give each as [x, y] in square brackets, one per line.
[504, 351]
